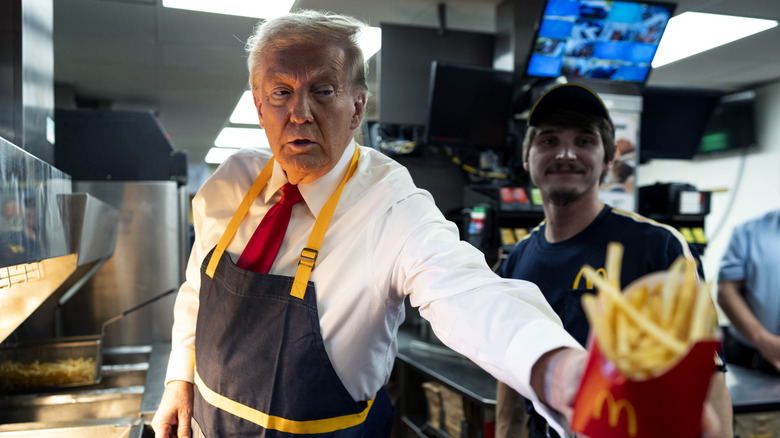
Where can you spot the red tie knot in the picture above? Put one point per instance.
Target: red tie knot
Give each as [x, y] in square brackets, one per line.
[290, 195]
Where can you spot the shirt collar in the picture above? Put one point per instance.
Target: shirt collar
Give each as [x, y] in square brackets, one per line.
[317, 193]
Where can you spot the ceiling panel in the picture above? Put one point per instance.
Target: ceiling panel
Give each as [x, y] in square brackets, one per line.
[189, 67]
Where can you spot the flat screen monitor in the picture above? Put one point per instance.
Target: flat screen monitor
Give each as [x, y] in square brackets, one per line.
[598, 39]
[732, 126]
[674, 120]
[404, 66]
[468, 106]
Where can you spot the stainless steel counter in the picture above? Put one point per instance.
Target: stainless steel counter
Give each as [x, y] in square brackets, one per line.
[751, 390]
[446, 366]
[153, 389]
[155, 380]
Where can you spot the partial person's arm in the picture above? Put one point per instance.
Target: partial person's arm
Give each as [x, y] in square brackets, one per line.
[719, 399]
[556, 376]
[510, 412]
[502, 325]
[734, 306]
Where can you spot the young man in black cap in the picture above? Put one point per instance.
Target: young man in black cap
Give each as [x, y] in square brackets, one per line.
[568, 148]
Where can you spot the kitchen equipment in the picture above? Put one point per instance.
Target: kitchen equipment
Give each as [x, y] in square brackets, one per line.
[149, 257]
[32, 283]
[58, 362]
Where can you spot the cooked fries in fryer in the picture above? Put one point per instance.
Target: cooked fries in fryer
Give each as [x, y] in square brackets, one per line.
[652, 325]
[16, 375]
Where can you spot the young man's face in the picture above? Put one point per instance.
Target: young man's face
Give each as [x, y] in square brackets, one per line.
[565, 163]
[308, 108]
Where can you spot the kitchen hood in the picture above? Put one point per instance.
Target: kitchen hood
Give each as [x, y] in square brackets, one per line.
[62, 239]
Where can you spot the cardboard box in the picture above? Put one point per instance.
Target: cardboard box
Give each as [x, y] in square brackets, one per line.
[433, 396]
[454, 414]
[757, 425]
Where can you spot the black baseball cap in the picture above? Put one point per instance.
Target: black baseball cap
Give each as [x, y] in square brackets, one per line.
[571, 96]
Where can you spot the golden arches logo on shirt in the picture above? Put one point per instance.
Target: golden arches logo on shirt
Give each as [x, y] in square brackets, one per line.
[588, 282]
[614, 409]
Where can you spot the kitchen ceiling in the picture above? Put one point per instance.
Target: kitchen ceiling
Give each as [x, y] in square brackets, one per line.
[189, 67]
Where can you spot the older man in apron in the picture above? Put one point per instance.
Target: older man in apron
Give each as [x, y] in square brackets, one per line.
[263, 353]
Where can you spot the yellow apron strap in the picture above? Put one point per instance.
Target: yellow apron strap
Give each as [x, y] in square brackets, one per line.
[324, 425]
[238, 216]
[309, 254]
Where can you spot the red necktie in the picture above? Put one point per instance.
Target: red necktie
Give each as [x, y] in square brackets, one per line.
[260, 252]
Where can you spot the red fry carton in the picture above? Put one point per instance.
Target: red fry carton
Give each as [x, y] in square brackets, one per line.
[609, 404]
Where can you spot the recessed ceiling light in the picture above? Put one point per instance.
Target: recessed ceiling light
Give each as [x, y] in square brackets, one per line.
[245, 112]
[231, 137]
[370, 41]
[244, 8]
[694, 32]
[218, 155]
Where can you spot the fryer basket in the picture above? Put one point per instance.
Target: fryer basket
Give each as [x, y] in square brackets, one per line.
[51, 363]
[58, 362]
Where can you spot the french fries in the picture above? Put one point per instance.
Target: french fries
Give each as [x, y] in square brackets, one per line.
[17, 375]
[649, 327]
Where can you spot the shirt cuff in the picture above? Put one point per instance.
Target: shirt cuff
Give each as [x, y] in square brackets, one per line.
[526, 354]
[731, 271]
[181, 366]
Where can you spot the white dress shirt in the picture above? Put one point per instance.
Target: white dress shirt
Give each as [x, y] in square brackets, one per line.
[386, 240]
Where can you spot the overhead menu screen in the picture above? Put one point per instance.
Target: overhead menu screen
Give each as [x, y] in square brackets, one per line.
[598, 39]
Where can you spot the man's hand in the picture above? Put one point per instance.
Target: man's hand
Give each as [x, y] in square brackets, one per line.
[172, 418]
[556, 379]
[769, 347]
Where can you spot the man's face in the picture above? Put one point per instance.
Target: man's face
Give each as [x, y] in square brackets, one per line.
[566, 163]
[308, 108]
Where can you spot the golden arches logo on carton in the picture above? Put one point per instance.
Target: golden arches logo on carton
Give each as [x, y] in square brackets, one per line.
[588, 282]
[613, 410]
